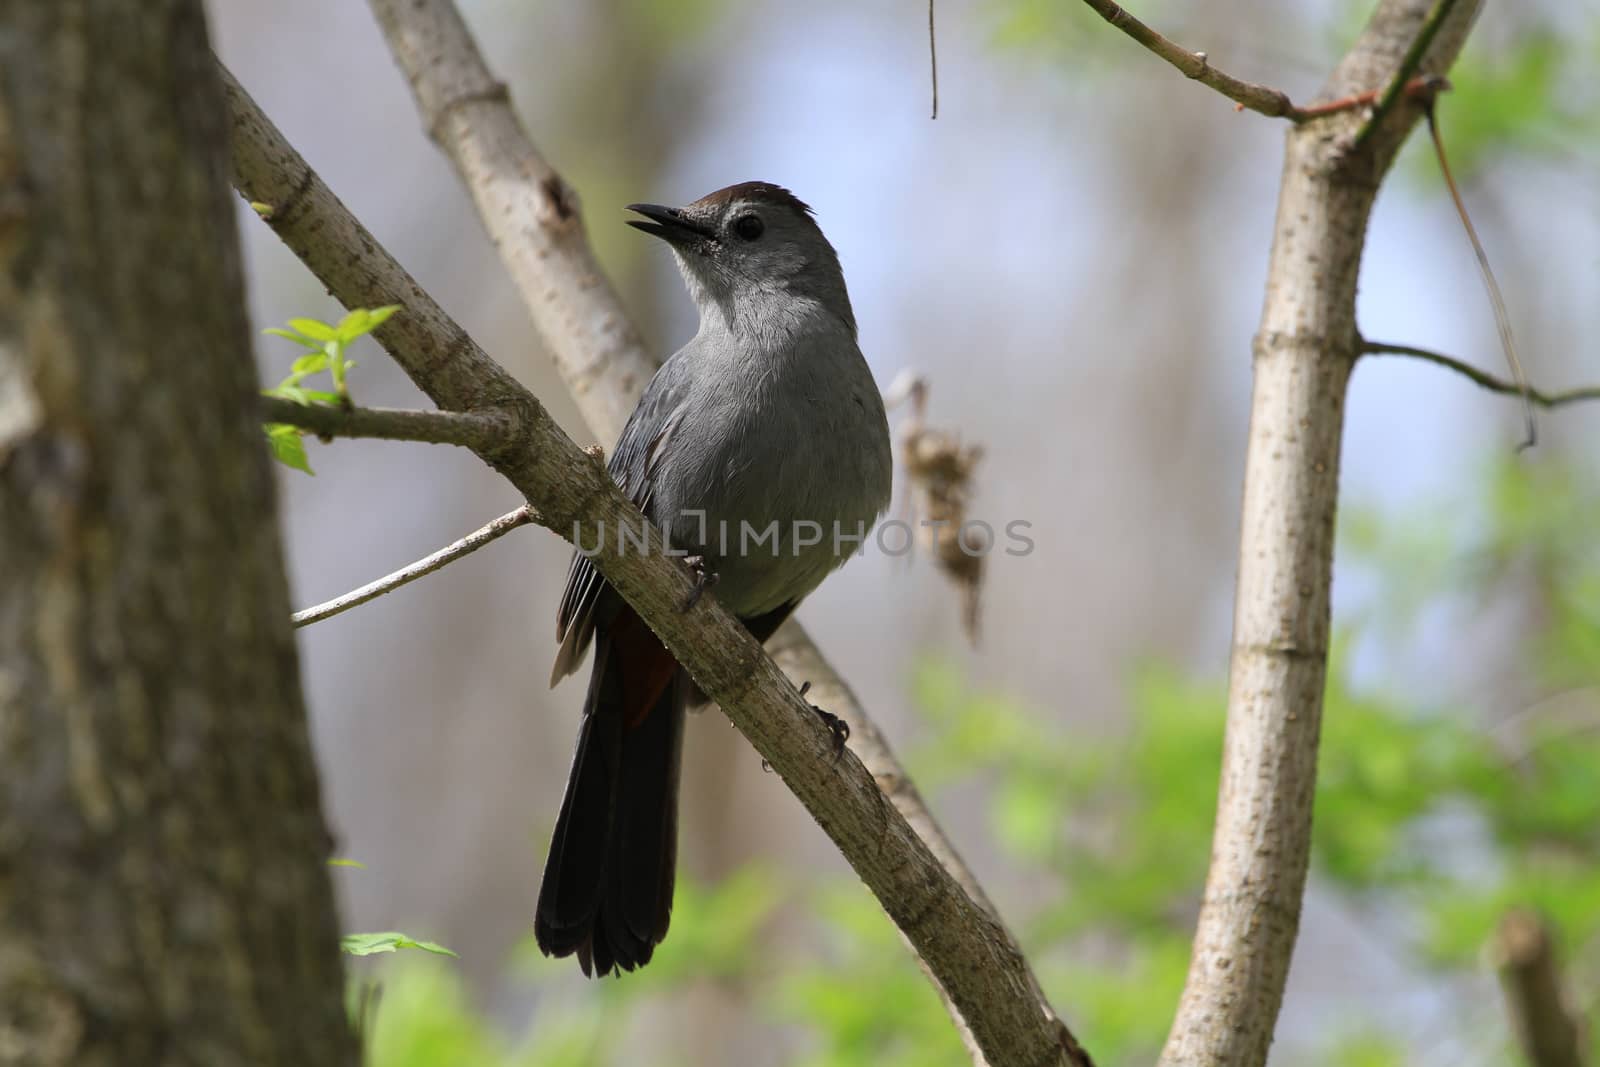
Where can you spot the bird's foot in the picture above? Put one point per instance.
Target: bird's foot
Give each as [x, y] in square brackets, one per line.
[704, 578]
[836, 726]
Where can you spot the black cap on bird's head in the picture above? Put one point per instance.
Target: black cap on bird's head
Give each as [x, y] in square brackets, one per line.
[751, 234]
[701, 221]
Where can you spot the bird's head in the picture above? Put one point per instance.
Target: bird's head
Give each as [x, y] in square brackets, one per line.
[748, 244]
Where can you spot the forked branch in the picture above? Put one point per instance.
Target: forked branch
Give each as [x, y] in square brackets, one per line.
[1304, 349]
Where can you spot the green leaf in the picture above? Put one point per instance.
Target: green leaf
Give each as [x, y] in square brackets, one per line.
[388, 941]
[290, 335]
[340, 862]
[361, 321]
[354, 324]
[287, 448]
[315, 329]
[312, 363]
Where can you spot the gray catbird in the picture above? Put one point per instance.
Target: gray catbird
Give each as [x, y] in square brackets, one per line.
[762, 448]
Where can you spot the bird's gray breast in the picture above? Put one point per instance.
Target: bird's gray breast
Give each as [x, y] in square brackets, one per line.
[776, 465]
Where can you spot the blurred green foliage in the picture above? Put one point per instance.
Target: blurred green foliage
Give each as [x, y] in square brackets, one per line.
[1434, 816]
[1059, 31]
[387, 941]
[1532, 96]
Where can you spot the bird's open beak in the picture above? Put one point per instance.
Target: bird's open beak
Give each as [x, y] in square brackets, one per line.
[669, 223]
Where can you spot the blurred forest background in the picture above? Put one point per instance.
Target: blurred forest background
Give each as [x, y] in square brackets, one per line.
[1073, 253]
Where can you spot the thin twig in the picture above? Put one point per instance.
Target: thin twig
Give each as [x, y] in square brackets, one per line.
[1426, 83]
[1502, 318]
[1487, 381]
[1407, 67]
[477, 430]
[426, 565]
[933, 61]
[1274, 103]
[1546, 1029]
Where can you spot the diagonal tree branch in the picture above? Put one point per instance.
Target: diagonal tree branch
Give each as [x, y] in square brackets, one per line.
[531, 214]
[1274, 103]
[970, 953]
[1481, 378]
[533, 219]
[485, 534]
[483, 430]
[1303, 353]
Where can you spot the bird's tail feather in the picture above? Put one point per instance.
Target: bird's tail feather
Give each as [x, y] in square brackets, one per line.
[607, 890]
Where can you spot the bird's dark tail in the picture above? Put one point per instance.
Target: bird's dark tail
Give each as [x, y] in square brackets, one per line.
[607, 891]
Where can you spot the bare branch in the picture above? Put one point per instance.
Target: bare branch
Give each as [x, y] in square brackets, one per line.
[1273, 103]
[1304, 349]
[961, 942]
[1478, 377]
[481, 431]
[1547, 1031]
[426, 565]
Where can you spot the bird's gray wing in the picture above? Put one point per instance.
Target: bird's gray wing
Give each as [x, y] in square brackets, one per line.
[633, 465]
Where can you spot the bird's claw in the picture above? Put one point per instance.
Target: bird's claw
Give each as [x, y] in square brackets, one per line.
[704, 578]
[836, 726]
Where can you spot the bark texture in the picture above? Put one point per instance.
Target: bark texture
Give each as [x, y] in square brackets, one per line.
[1303, 354]
[164, 897]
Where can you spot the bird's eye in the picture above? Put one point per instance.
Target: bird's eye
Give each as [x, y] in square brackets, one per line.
[748, 227]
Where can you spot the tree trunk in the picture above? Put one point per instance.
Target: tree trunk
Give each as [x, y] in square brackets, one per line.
[1303, 354]
[164, 897]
